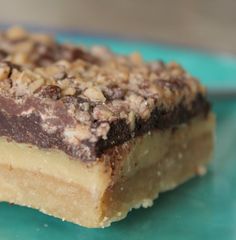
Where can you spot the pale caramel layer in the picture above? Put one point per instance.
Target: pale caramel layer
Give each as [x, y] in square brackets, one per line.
[97, 194]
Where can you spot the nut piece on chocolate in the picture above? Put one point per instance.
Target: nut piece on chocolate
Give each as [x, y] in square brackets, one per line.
[89, 123]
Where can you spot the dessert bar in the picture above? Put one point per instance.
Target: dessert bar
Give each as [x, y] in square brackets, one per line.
[86, 135]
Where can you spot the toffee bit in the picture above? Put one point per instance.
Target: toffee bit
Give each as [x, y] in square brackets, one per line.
[60, 75]
[51, 91]
[113, 93]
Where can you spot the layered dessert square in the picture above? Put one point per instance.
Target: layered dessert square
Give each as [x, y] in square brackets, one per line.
[86, 135]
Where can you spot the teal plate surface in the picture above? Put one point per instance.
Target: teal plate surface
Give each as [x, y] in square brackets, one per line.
[203, 208]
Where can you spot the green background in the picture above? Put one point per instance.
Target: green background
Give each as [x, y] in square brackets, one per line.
[203, 208]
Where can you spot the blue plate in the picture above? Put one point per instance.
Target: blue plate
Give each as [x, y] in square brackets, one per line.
[203, 208]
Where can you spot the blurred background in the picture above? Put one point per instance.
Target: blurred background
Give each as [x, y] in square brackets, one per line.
[207, 24]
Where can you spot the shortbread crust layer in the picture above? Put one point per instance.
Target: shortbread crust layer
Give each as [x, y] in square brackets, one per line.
[96, 194]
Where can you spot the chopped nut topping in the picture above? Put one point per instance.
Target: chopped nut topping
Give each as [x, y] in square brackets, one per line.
[80, 133]
[93, 86]
[102, 130]
[136, 58]
[132, 120]
[35, 85]
[4, 72]
[83, 116]
[94, 94]
[68, 91]
[102, 113]
[60, 75]
[16, 33]
[50, 91]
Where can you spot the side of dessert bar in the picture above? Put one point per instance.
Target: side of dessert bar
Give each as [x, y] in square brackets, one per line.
[86, 135]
